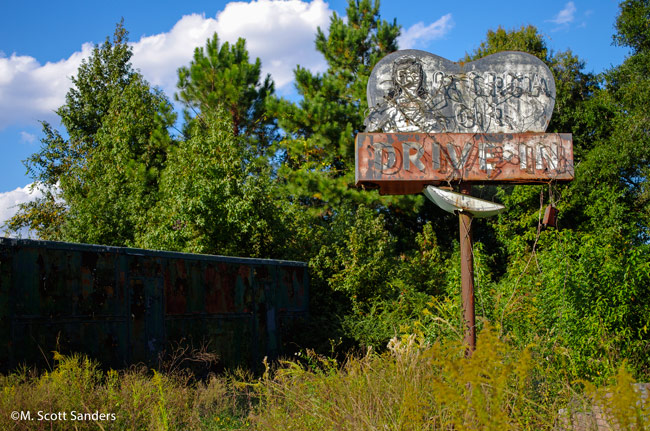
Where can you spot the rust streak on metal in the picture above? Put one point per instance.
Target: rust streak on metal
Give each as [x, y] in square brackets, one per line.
[403, 163]
[124, 306]
[467, 275]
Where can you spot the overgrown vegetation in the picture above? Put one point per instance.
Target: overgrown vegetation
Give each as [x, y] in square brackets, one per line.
[272, 178]
[133, 399]
[411, 386]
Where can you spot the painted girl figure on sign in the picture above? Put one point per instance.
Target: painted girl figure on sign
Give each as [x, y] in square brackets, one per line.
[408, 106]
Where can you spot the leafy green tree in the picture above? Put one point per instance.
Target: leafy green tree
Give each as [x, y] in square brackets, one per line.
[359, 255]
[629, 86]
[610, 192]
[109, 201]
[525, 39]
[632, 26]
[211, 200]
[222, 77]
[102, 178]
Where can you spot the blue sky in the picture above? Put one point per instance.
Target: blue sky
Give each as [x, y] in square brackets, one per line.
[43, 42]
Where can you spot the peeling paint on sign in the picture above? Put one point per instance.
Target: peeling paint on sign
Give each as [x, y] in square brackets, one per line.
[403, 163]
[416, 91]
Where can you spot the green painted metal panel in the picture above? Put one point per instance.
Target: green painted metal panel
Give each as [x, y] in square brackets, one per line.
[126, 306]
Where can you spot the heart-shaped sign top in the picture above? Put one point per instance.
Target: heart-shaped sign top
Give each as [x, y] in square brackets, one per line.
[416, 91]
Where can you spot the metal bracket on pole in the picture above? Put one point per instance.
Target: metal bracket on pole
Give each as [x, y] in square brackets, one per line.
[462, 203]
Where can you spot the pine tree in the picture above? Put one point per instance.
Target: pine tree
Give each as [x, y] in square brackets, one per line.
[318, 149]
[222, 77]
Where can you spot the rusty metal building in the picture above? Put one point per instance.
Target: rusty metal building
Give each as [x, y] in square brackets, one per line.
[124, 305]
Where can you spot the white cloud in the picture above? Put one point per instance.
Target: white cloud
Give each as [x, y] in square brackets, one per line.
[28, 138]
[280, 32]
[30, 91]
[419, 34]
[566, 15]
[9, 202]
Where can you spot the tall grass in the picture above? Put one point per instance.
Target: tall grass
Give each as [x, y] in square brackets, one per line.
[419, 387]
[412, 386]
[138, 399]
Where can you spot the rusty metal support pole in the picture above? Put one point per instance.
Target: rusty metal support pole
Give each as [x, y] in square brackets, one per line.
[467, 274]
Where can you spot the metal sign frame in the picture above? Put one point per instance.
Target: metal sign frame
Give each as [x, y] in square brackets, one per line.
[404, 163]
[443, 123]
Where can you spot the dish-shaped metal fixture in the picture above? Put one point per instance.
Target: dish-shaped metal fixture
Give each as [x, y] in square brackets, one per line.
[452, 202]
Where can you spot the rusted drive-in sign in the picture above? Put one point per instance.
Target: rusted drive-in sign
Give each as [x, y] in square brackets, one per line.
[403, 163]
[434, 122]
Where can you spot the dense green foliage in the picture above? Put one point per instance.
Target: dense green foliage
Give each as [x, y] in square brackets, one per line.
[256, 175]
[212, 201]
[101, 180]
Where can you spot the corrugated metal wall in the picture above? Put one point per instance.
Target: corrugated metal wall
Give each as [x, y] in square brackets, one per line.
[124, 306]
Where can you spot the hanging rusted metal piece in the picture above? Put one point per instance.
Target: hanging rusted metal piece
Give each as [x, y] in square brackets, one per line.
[550, 216]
